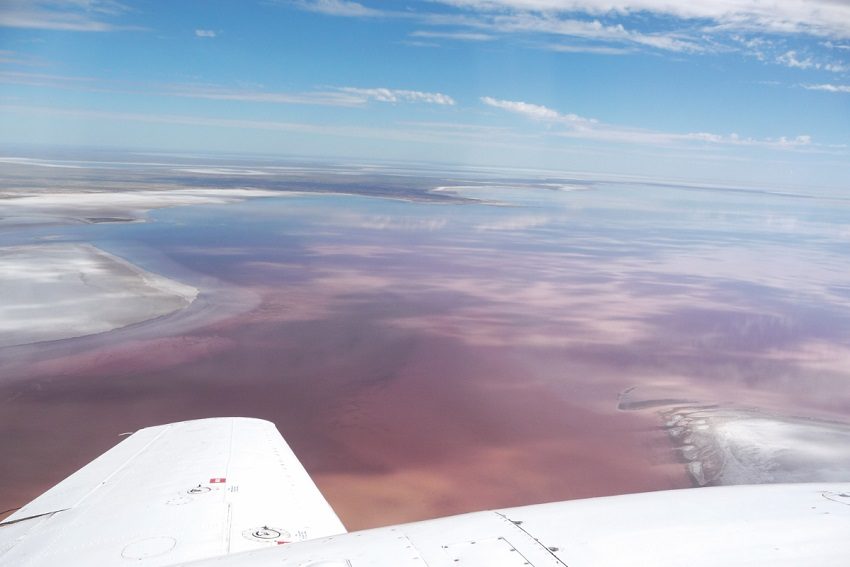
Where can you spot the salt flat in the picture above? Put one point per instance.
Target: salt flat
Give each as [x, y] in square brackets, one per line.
[59, 291]
[126, 205]
[745, 446]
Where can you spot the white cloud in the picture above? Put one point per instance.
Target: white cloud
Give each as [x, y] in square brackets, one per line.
[491, 18]
[535, 23]
[627, 25]
[419, 43]
[597, 49]
[68, 15]
[399, 95]
[462, 36]
[535, 111]
[205, 33]
[346, 8]
[757, 47]
[15, 58]
[575, 126]
[338, 96]
[791, 59]
[827, 18]
[319, 98]
[829, 88]
[832, 45]
[438, 136]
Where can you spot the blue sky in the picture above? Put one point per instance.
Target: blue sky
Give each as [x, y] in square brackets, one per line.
[716, 90]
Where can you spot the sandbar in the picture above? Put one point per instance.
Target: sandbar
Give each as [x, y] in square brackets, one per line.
[58, 291]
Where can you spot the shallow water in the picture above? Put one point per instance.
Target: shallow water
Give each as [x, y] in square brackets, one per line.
[428, 358]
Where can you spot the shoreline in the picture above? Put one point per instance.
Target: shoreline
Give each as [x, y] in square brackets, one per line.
[58, 291]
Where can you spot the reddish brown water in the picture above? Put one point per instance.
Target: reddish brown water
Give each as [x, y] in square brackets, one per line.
[425, 360]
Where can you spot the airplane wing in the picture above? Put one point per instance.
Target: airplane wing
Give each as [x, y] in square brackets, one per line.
[735, 526]
[230, 493]
[173, 493]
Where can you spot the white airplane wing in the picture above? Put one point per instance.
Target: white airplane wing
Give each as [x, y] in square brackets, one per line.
[173, 493]
[230, 493]
[738, 526]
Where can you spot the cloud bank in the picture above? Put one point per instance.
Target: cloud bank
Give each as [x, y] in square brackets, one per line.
[574, 126]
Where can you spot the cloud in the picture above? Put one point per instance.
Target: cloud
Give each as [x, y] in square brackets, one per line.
[47, 80]
[337, 96]
[318, 98]
[397, 95]
[826, 18]
[829, 88]
[832, 45]
[597, 49]
[533, 23]
[14, 58]
[791, 59]
[441, 137]
[623, 134]
[187, 120]
[70, 15]
[489, 19]
[462, 36]
[626, 25]
[535, 111]
[205, 33]
[575, 126]
[345, 8]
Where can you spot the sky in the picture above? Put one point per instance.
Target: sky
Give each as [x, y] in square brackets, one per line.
[740, 92]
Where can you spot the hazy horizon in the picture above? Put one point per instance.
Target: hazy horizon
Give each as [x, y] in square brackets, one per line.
[708, 92]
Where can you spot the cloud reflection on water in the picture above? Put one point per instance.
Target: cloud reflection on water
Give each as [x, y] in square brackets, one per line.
[429, 358]
[692, 281]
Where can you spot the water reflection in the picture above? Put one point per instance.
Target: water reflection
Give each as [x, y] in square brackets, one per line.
[426, 358]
